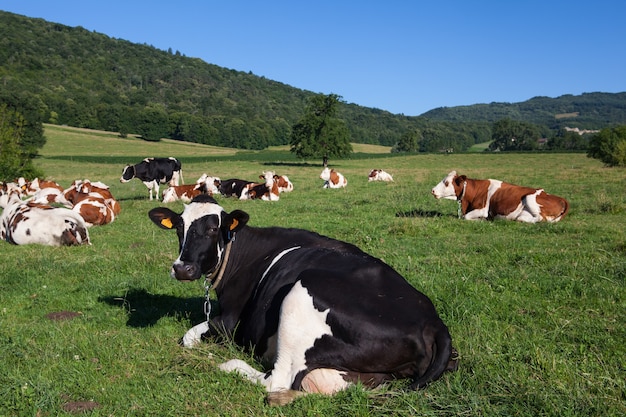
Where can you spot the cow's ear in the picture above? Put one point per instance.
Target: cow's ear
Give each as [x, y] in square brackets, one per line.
[235, 220]
[164, 217]
[262, 177]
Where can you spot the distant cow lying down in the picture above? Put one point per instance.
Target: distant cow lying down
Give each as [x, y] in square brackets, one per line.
[184, 193]
[332, 178]
[493, 199]
[379, 175]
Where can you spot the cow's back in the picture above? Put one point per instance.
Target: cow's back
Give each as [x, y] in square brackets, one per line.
[507, 198]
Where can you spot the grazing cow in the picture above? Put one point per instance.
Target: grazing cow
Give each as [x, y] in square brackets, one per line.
[25, 222]
[379, 175]
[154, 171]
[184, 193]
[493, 199]
[284, 185]
[233, 187]
[211, 184]
[322, 313]
[333, 179]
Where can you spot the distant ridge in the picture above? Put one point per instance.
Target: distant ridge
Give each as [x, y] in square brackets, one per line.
[585, 111]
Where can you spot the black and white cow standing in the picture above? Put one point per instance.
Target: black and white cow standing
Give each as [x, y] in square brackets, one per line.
[154, 171]
[320, 312]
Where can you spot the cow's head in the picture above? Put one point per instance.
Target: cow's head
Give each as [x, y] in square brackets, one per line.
[128, 173]
[450, 187]
[325, 175]
[203, 229]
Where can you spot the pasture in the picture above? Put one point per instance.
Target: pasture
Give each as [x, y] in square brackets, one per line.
[536, 312]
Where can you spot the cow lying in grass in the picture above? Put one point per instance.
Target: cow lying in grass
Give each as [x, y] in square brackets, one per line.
[26, 222]
[493, 199]
[322, 313]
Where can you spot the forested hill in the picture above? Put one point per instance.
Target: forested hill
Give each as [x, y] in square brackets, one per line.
[586, 111]
[80, 78]
[87, 79]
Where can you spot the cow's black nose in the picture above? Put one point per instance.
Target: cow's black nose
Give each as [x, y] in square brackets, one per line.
[185, 272]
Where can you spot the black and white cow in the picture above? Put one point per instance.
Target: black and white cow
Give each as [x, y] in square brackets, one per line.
[321, 313]
[233, 187]
[154, 171]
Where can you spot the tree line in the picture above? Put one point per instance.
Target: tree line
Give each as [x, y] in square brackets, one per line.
[86, 79]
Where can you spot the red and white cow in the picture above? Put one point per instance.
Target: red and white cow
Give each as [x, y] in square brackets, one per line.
[184, 193]
[267, 190]
[25, 222]
[93, 201]
[43, 191]
[102, 189]
[332, 178]
[493, 199]
[379, 175]
[32, 187]
[283, 183]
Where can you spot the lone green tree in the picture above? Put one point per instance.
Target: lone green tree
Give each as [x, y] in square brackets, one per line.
[609, 146]
[320, 134]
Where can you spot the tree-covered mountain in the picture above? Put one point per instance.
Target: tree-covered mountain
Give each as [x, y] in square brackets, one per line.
[587, 111]
[87, 79]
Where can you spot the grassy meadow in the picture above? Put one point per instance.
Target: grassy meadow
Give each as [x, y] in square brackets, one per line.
[536, 312]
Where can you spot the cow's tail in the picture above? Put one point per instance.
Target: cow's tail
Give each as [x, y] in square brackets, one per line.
[445, 358]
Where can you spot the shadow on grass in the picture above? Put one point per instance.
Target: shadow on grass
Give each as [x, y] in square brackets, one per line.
[422, 213]
[145, 309]
[292, 164]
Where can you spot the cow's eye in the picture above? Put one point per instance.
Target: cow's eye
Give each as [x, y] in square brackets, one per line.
[212, 230]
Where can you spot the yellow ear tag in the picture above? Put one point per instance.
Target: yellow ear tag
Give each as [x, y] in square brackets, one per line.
[234, 224]
[167, 223]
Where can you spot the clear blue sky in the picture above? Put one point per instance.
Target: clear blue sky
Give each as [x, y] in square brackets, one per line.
[402, 56]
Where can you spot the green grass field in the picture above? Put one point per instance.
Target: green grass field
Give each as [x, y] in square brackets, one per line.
[537, 312]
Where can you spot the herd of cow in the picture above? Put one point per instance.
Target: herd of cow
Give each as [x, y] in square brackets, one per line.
[320, 313]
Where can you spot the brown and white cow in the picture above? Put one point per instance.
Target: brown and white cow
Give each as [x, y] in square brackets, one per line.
[379, 175]
[267, 190]
[332, 178]
[32, 187]
[25, 222]
[93, 201]
[103, 190]
[184, 193]
[494, 199]
[283, 183]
